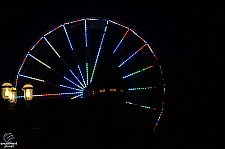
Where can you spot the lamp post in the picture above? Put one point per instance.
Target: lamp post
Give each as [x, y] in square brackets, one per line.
[28, 92]
[9, 93]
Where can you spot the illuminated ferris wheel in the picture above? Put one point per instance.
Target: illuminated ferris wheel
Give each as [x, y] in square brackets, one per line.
[87, 57]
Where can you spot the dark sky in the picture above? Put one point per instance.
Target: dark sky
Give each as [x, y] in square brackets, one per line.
[186, 35]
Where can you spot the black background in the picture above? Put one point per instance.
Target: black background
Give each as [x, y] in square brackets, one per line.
[186, 35]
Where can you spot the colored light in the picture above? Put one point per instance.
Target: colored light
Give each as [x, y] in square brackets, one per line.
[52, 47]
[137, 72]
[77, 96]
[67, 37]
[53, 30]
[72, 82]
[100, 47]
[132, 55]
[138, 36]
[31, 78]
[87, 72]
[77, 78]
[139, 88]
[81, 75]
[92, 19]
[121, 41]
[85, 32]
[71, 88]
[118, 24]
[142, 106]
[40, 61]
[22, 63]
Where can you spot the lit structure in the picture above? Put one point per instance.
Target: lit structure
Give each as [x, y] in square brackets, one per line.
[127, 49]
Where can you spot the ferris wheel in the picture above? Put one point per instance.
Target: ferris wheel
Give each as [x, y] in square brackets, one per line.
[88, 57]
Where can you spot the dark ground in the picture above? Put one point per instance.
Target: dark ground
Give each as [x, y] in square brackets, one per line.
[187, 36]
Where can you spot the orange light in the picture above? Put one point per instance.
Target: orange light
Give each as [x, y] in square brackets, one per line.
[113, 90]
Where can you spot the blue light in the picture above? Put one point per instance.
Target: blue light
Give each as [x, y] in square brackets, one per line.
[132, 55]
[77, 78]
[128, 59]
[86, 33]
[81, 75]
[100, 47]
[70, 93]
[72, 82]
[67, 37]
[77, 96]
[121, 41]
[71, 88]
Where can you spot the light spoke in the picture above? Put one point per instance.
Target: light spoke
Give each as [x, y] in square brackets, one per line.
[85, 26]
[72, 82]
[52, 47]
[71, 88]
[56, 94]
[143, 106]
[137, 72]
[31, 78]
[121, 41]
[100, 47]
[81, 75]
[77, 79]
[71, 46]
[87, 72]
[68, 38]
[140, 88]
[132, 55]
[39, 61]
[77, 96]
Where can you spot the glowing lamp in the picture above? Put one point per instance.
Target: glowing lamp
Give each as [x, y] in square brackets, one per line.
[6, 90]
[13, 96]
[28, 91]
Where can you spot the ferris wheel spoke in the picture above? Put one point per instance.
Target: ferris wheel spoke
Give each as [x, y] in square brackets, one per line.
[137, 72]
[55, 71]
[121, 41]
[54, 94]
[40, 61]
[64, 86]
[132, 55]
[48, 83]
[52, 47]
[140, 89]
[88, 54]
[77, 78]
[77, 96]
[81, 75]
[142, 106]
[64, 62]
[100, 47]
[73, 82]
[73, 49]
[85, 30]
[32, 78]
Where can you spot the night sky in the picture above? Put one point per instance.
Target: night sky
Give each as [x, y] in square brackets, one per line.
[186, 36]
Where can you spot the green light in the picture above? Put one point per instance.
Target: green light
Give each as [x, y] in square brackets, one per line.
[87, 72]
